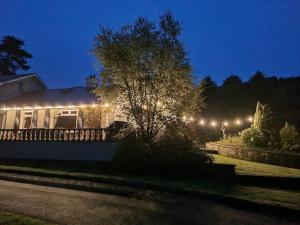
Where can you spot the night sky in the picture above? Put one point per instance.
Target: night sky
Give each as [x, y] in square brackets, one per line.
[222, 37]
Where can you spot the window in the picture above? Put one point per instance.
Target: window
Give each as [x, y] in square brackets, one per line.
[66, 119]
[27, 119]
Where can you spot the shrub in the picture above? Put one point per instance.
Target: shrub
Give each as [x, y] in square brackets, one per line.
[289, 135]
[295, 148]
[169, 155]
[232, 140]
[253, 137]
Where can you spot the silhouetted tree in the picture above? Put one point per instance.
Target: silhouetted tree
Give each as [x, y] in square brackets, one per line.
[12, 56]
[232, 80]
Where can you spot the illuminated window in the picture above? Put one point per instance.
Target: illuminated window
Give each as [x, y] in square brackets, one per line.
[66, 119]
[27, 119]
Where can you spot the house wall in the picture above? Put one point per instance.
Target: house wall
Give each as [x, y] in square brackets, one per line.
[40, 119]
[16, 88]
[10, 119]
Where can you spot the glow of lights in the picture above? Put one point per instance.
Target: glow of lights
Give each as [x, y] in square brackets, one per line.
[225, 123]
[184, 118]
[202, 122]
[106, 105]
[192, 119]
[213, 123]
[238, 122]
[159, 103]
[250, 118]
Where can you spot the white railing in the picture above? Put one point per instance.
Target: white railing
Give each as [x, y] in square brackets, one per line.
[67, 135]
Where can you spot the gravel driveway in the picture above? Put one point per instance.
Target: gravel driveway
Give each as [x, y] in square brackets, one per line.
[63, 206]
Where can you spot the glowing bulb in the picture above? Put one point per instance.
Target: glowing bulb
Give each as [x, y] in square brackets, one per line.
[225, 123]
[202, 122]
[250, 118]
[238, 122]
[192, 119]
[184, 118]
[213, 123]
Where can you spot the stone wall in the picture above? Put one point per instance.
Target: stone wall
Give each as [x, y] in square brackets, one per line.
[268, 157]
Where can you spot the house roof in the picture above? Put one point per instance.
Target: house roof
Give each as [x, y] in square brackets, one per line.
[4, 79]
[52, 97]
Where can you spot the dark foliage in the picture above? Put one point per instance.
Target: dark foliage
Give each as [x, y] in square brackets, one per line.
[12, 56]
[238, 99]
[169, 155]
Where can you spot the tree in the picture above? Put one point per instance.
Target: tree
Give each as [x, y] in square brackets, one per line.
[262, 119]
[12, 56]
[257, 77]
[147, 73]
[232, 80]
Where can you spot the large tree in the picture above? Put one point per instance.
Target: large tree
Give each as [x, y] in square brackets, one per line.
[12, 56]
[147, 73]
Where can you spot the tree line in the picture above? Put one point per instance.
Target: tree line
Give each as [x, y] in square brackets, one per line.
[237, 99]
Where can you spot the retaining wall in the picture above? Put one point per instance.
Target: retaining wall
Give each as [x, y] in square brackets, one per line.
[84, 151]
[268, 157]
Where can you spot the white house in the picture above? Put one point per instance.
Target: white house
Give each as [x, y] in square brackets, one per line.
[27, 103]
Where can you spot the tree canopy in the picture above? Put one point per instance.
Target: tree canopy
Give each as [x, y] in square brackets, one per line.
[146, 71]
[12, 56]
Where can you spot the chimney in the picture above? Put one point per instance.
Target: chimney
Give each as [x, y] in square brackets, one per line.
[91, 82]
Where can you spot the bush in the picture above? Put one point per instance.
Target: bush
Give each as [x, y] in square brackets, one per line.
[295, 148]
[169, 155]
[253, 137]
[289, 135]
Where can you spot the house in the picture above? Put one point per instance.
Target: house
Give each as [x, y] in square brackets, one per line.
[27, 104]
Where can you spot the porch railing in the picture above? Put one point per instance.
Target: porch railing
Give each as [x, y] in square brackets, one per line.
[67, 135]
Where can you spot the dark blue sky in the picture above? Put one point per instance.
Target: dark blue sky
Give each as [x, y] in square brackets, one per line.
[222, 37]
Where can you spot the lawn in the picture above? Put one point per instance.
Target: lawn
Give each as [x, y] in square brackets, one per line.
[8, 218]
[252, 168]
[288, 198]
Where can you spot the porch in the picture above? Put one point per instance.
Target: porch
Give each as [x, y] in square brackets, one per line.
[58, 135]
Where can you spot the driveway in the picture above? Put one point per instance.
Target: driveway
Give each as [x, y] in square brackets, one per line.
[64, 206]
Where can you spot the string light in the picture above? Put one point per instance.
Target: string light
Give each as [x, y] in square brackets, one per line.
[202, 122]
[213, 123]
[225, 123]
[238, 122]
[36, 107]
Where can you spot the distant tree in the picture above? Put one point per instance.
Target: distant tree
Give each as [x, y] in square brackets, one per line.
[12, 56]
[232, 80]
[146, 72]
[257, 77]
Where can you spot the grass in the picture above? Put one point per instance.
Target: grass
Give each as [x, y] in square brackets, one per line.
[8, 218]
[281, 197]
[244, 167]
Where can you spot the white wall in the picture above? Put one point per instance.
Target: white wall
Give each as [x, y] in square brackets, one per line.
[41, 119]
[10, 119]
